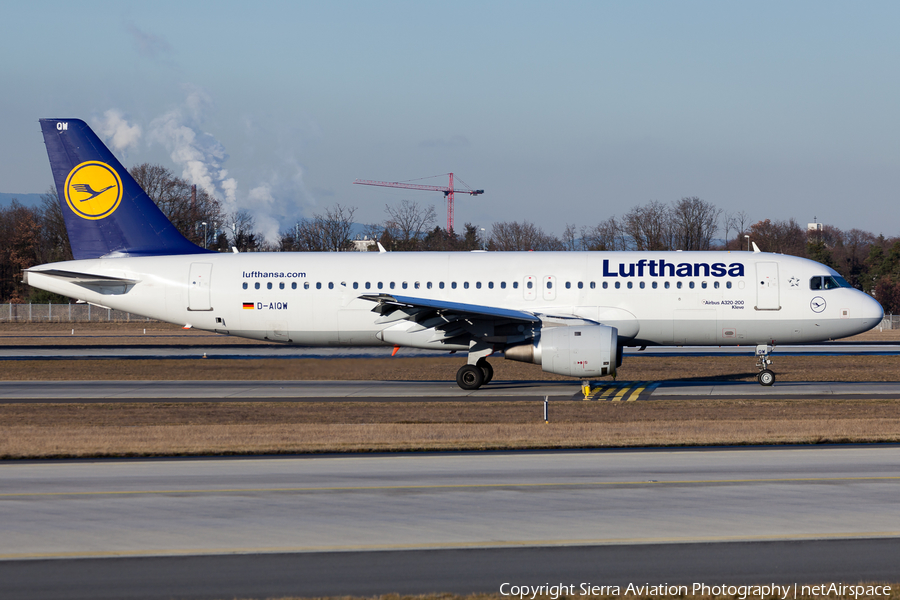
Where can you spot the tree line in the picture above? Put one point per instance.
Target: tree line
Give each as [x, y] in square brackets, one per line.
[37, 235]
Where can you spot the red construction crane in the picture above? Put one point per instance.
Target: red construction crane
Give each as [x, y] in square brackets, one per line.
[448, 192]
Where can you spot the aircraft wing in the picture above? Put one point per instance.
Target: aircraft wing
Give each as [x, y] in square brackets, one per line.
[405, 307]
[457, 322]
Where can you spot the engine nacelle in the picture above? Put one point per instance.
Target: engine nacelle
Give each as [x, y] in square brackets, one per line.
[576, 351]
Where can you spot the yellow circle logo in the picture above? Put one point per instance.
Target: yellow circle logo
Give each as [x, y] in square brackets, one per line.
[93, 190]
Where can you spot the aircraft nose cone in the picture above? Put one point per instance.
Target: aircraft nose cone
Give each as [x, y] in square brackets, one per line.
[872, 310]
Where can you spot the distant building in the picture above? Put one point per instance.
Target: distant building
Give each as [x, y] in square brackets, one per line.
[362, 245]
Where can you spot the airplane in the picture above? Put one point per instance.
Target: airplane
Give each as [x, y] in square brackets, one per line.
[570, 312]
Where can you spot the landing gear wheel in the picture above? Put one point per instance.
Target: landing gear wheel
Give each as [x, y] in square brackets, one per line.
[470, 377]
[488, 370]
[766, 377]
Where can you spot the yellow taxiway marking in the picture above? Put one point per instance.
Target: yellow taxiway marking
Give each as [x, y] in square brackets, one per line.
[461, 486]
[621, 393]
[451, 545]
[637, 391]
[607, 390]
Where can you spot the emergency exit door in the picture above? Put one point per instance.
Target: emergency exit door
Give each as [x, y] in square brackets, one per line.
[767, 297]
[198, 286]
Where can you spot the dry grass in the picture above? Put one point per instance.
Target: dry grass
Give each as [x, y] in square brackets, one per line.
[168, 429]
[175, 429]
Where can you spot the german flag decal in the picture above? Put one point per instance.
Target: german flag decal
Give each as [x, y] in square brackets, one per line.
[248, 306]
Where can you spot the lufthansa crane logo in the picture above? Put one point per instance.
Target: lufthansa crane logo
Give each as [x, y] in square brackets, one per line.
[93, 190]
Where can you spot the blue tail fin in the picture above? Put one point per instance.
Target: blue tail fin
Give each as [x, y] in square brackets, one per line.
[105, 210]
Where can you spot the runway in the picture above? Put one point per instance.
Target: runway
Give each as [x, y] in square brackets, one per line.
[418, 391]
[453, 522]
[196, 349]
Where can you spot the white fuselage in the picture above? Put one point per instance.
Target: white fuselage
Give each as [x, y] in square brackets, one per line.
[652, 298]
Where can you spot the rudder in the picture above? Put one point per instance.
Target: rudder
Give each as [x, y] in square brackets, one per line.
[105, 210]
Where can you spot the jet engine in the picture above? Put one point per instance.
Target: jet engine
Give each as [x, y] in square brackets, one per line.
[576, 351]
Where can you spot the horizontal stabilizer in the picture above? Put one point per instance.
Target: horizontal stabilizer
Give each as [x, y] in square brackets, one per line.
[83, 278]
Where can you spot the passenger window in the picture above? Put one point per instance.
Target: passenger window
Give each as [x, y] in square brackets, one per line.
[678, 285]
[716, 284]
[305, 285]
[568, 285]
[549, 285]
[453, 285]
[477, 285]
[368, 285]
[318, 285]
[642, 284]
[490, 285]
[815, 283]
[580, 285]
[245, 285]
[515, 285]
[418, 285]
[269, 286]
[502, 285]
[530, 285]
[618, 284]
[441, 285]
[666, 285]
[280, 285]
[703, 285]
[466, 284]
[380, 285]
[392, 285]
[404, 285]
[593, 285]
[728, 284]
[330, 285]
[654, 285]
[355, 285]
[428, 285]
[605, 284]
[293, 285]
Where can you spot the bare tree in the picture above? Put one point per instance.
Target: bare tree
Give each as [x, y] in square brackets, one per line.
[694, 223]
[604, 236]
[779, 236]
[407, 223]
[649, 227]
[568, 238]
[243, 236]
[512, 235]
[54, 236]
[20, 229]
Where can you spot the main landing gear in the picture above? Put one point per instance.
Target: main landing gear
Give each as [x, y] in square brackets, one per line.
[766, 376]
[478, 371]
[472, 377]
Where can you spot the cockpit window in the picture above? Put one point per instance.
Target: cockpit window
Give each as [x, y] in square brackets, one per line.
[828, 282]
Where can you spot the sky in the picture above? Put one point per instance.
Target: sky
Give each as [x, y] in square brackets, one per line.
[563, 112]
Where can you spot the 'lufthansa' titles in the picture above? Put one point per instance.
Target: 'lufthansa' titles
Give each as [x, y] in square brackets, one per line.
[662, 268]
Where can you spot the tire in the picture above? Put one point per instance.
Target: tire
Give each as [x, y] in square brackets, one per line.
[766, 377]
[488, 370]
[470, 377]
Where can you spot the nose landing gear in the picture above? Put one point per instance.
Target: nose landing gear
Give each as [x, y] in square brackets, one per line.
[766, 376]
